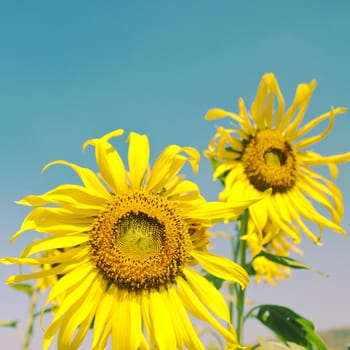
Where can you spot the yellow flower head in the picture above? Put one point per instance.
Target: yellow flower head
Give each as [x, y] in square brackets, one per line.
[127, 241]
[266, 148]
[266, 270]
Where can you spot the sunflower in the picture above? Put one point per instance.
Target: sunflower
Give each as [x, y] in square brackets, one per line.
[266, 148]
[126, 245]
[265, 269]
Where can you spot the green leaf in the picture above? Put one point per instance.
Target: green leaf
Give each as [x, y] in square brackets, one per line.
[288, 326]
[23, 287]
[250, 270]
[286, 261]
[215, 280]
[11, 324]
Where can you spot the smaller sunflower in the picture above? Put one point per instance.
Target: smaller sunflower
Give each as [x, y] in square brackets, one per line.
[265, 269]
[267, 148]
[126, 244]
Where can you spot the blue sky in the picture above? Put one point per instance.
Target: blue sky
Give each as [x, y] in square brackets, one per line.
[73, 70]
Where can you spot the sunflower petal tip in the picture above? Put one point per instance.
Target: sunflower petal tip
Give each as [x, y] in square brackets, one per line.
[48, 165]
[10, 280]
[86, 144]
[44, 168]
[340, 110]
[214, 113]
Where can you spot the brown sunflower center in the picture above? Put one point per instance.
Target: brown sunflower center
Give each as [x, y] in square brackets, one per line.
[140, 241]
[269, 162]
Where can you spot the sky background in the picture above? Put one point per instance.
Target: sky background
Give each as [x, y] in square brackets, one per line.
[74, 70]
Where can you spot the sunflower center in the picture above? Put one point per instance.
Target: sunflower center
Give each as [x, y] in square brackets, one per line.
[140, 241]
[275, 157]
[138, 235]
[269, 162]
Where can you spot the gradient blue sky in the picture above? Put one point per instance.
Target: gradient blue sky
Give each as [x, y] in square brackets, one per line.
[73, 70]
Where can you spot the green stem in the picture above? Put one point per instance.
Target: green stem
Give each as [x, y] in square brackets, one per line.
[240, 293]
[31, 318]
[232, 289]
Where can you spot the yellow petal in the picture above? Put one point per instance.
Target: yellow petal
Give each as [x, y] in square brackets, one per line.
[314, 191]
[271, 81]
[103, 317]
[208, 294]
[275, 217]
[162, 325]
[70, 280]
[196, 308]
[102, 342]
[110, 163]
[259, 216]
[289, 204]
[301, 101]
[330, 188]
[227, 138]
[55, 221]
[168, 164]
[88, 177]
[314, 139]
[146, 317]
[54, 243]
[307, 210]
[71, 196]
[223, 168]
[84, 327]
[226, 211]
[58, 270]
[222, 267]
[74, 297]
[316, 159]
[246, 124]
[314, 122]
[53, 259]
[182, 188]
[217, 113]
[126, 326]
[185, 334]
[144, 345]
[262, 107]
[78, 319]
[138, 158]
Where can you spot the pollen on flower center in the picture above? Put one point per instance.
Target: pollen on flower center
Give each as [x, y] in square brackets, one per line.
[140, 242]
[269, 162]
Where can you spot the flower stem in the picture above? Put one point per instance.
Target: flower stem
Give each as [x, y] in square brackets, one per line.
[240, 293]
[31, 318]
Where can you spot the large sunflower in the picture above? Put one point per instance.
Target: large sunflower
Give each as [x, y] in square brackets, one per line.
[127, 243]
[266, 148]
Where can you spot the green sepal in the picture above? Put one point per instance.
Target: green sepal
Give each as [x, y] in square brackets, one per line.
[10, 324]
[23, 287]
[288, 326]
